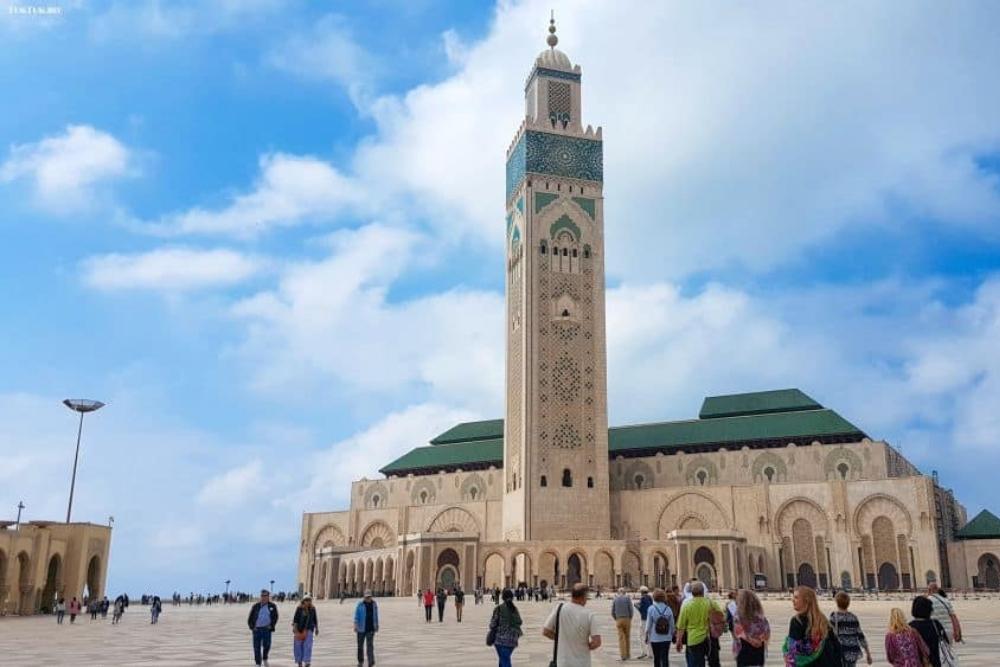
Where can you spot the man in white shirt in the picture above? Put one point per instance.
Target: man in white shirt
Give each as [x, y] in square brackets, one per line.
[577, 635]
[944, 613]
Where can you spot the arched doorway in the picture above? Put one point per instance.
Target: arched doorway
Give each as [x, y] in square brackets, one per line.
[631, 570]
[94, 577]
[408, 583]
[447, 569]
[53, 582]
[806, 575]
[574, 570]
[661, 571]
[604, 570]
[493, 571]
[989, 572]
[704, 566]
[3, 578]
[520, 569]
[888, 577]
[320, 588]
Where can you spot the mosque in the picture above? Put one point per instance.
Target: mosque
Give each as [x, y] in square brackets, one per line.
[768, 489]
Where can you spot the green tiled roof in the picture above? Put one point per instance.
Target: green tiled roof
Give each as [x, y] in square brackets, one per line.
[452, 455]
[756, 403]
[986, 525]
[806, 425]
[466, 431]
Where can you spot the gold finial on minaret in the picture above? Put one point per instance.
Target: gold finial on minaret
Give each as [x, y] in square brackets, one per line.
[552, 40]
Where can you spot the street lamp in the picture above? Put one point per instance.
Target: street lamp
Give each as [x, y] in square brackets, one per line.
[272, 586]
[83, 406]
[20, 506]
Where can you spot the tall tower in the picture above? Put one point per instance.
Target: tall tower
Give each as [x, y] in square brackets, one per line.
[556, 427]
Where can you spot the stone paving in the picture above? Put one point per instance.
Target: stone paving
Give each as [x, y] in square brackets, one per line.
[218, 635]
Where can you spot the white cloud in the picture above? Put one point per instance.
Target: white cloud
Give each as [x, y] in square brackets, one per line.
[169, 269]
[232, 488]
[333, 318]
[290, 190]
[152, 19]
[67, 170]
[329, 53]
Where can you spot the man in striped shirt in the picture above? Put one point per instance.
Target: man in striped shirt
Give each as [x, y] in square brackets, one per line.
[944, 613]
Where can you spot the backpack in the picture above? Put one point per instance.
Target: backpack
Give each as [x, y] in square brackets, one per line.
[716, 622]
[662, 625]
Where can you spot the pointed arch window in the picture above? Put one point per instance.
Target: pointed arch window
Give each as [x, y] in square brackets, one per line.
[544, 481]
[567, 478]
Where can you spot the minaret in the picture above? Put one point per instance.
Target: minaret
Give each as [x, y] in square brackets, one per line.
[556, 427]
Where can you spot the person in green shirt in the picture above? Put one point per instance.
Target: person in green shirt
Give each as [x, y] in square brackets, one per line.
[693, 626]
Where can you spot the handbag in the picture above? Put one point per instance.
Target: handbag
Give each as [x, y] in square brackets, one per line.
[555, 642]
[491, 634]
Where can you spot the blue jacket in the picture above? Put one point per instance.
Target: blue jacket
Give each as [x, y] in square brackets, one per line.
[359, 616]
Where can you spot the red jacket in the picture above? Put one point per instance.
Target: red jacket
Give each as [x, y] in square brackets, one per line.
[428, 598]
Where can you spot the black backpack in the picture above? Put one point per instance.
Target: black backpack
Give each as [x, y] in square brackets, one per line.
[662, 625]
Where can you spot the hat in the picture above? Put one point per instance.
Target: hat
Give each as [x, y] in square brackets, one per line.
[368, 592]
[307, 597]
[643, 589]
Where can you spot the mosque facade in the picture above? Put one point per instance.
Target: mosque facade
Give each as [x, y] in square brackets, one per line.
[767, 489]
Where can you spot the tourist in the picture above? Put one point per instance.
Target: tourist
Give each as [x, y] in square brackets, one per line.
[848, 630]
[442, 598]
[751, 631]
[459, 601]
[730, 610]
[60, 610]
[645, 601]
[622, 611]
[262, 619]
[674, 602]
[74, 609]
[365, 627]
[428, 604]
[944, 613]
[904, 647]
[658, 628]
[104, 607]
[932, 632]
[116, 615]
[94, 607]
[305, 625]
[154, 609]
[810, 638]
[573, 628]
[505, 628]
[693, 631]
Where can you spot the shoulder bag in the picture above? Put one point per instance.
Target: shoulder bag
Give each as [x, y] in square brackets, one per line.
[491, 634]
[555, 642]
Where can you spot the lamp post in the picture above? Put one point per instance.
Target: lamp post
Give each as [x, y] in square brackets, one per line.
[227, 591]
[272, 586]
[83, 406]
[20, 506]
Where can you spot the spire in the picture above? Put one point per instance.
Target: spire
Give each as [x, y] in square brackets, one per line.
[552, 40]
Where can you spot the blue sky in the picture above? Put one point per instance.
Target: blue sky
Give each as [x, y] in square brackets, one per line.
[267, 234]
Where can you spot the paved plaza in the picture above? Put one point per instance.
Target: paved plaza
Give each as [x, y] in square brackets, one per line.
[218, 635]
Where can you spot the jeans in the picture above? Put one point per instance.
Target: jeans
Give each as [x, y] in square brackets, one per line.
[302, 649]
[440, 612]
[261, 644]
[624, 637]
[504, 653]
[59, 617]
[697, 655]
[713, 652]
[661, 652]
[458, 611]
[427, 613]
[366, 639]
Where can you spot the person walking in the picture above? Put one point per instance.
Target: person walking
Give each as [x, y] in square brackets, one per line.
[442, 598]
[645, 601]
[810, 638]
[119, 609]
[944, 613]
[261, 621]
[904, 647]
[932, 632]
[573, 629]
[305, 626]
[60, 610]
[658, 628]
[751, 631]
[365, 627]
[459, 601]
[621, 612]
[847, 627]
[505, 628]
[428, 604]
[154, 609]
[693, 626]
[74, 609]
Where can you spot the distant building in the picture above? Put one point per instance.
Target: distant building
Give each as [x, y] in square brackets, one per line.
[41, 561]
[768, 489]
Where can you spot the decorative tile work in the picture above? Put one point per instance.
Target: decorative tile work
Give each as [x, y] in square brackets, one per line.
[559, 103]
[552, 74]
[543, 199]
[587, 205]
[565, 222]
[520, 205]
[554, 155]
